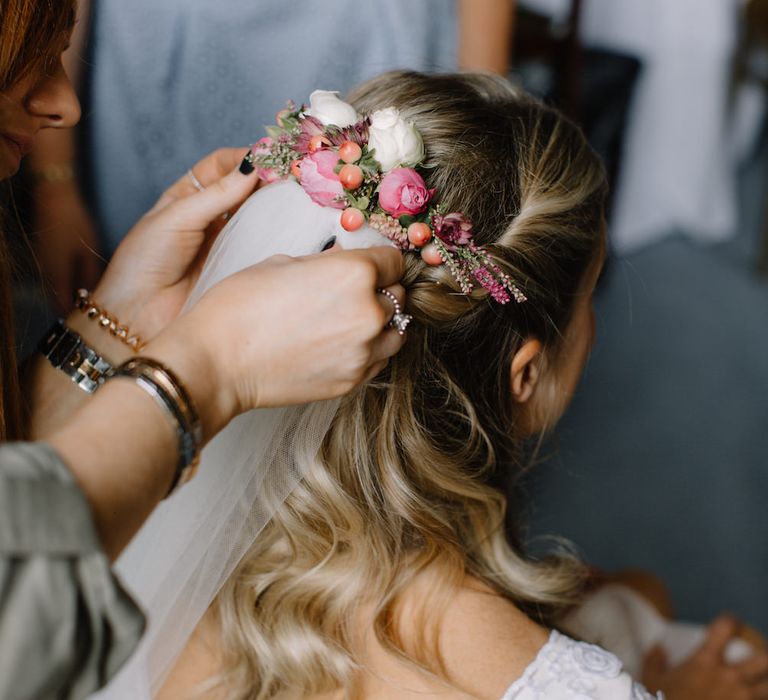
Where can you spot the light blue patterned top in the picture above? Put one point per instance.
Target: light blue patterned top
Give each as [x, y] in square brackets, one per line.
[172, 80]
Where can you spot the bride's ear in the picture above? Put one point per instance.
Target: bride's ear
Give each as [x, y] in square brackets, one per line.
[525, 370]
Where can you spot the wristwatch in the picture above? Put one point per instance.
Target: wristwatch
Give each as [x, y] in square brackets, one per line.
[67, 351]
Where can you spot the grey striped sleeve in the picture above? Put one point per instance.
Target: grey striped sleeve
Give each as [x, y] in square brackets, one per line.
[66, 624]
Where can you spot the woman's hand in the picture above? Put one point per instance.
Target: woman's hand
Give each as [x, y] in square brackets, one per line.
[157, 264]
[286, 331]
[706, 675]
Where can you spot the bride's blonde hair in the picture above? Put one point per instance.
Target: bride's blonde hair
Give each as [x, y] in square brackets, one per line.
[403, 481]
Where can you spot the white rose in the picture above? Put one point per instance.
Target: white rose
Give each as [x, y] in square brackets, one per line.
[396, 141]
[330, 110]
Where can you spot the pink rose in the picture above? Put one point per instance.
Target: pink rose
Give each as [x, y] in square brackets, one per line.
[320, 182]
[403, 191]
[263, 147]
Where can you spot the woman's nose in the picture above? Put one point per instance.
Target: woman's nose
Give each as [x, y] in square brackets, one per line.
[54, 100]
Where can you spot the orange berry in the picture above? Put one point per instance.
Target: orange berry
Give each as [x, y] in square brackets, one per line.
[351, 176]
[352, 219]
[350, 152]
[296, 168]
[430, 255]
[419, 234]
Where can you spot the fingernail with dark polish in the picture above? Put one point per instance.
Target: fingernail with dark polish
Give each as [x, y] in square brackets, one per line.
[247, 166]
[329, 243]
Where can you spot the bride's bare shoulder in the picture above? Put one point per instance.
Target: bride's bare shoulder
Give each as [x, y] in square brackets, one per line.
[485, 644]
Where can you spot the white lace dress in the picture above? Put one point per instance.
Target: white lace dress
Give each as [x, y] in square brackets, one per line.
[565, 669]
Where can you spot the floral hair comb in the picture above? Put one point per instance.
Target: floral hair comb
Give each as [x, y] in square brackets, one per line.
[368, 168]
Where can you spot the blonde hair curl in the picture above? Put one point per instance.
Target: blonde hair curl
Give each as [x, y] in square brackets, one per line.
[404, 481]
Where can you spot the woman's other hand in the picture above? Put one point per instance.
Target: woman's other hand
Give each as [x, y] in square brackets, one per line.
[287, 331]
[157, 264]
[706, 675]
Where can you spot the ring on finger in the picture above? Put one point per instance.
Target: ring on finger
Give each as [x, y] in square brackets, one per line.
[193, 179]
[399, 321]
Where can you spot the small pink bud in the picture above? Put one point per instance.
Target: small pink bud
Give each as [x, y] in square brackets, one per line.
[419, 234]
[317, 142]
[351, 176]
[350, 152]
[296, 168]
[352, 219]
[431, 255]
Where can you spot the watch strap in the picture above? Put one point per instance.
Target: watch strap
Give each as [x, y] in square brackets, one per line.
[67, 351]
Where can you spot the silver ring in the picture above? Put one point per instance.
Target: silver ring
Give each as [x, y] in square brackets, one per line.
[399, 320]
[193, 178]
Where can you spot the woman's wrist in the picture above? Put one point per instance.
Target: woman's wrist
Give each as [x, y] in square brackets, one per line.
[123, 305]
[181, 349]
[123, 453]
[98, 338]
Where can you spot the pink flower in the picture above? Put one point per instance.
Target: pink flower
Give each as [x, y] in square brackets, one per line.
[261, 149]
[496, 288]
[452, 229]
[320, 182]
[403, 191]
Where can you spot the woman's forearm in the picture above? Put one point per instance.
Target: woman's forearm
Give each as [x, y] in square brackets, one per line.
[121, 450]
[53, 397]
[122, 447]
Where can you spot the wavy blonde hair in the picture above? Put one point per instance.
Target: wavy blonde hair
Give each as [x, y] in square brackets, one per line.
[405, 476]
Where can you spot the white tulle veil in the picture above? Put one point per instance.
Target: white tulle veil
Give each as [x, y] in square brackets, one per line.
[193, 541]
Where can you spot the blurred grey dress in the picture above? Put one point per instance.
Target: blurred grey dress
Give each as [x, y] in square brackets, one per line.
[66, 625]
[173, 80]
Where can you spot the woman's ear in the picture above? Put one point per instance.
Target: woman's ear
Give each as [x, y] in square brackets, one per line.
[525, 370]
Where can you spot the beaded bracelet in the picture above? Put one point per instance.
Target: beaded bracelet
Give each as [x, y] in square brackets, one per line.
[94, 312]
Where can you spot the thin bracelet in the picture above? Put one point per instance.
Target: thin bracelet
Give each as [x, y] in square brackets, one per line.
[94, 312]
[169, 393]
